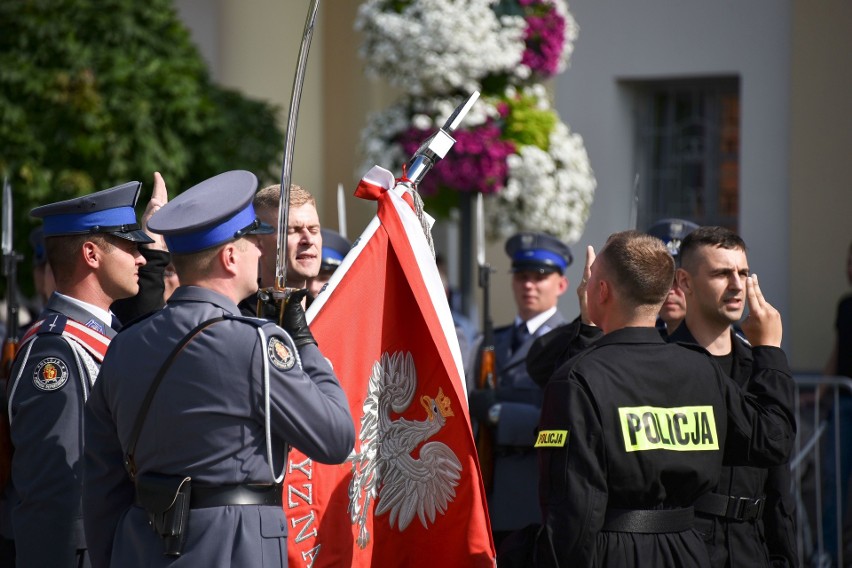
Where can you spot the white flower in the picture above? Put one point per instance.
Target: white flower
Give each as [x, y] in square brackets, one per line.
[438, 46]
[547, 190]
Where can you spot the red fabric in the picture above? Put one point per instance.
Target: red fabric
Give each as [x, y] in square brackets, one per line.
[381, 305]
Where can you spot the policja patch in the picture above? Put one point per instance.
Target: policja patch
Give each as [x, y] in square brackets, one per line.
[551, 439]
[50, 374]
[280, 355]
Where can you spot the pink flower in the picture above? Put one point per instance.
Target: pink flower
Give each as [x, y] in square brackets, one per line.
[477, 162]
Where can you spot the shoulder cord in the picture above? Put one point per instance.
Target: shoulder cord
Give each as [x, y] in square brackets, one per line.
[129, 462]
[266, 418]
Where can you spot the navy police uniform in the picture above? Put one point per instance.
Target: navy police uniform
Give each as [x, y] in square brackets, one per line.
[228, 406]
[633, 431]
[56, 365]
[512, 408]
[750, 518]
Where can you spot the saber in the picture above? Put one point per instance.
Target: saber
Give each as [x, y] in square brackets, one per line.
[289, 142]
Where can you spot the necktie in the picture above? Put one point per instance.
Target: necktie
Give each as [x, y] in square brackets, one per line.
[115, 324]
[519, 336]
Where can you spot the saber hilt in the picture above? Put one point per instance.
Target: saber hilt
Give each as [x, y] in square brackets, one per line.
[436, 146]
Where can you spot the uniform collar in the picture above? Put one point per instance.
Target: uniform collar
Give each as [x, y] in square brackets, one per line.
[632, 335]
[200, 294]
[536, 322]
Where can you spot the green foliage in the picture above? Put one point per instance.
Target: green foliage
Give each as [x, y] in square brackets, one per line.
[527, 124]
[94, 93]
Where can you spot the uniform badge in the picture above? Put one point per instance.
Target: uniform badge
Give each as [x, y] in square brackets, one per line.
[280, 355]
[96, 325]
[50, 374]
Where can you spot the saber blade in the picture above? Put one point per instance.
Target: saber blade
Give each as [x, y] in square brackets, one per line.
[289, 143]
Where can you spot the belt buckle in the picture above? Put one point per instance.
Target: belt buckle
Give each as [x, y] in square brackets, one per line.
[745, 508]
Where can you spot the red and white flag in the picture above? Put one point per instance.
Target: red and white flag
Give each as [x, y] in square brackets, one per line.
[411, 493]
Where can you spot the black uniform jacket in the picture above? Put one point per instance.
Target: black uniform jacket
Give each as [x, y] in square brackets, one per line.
[636, 423]
[737, 543]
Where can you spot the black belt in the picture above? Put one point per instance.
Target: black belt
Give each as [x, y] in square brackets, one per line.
[731, 507]
[649, 521]
[202, 497]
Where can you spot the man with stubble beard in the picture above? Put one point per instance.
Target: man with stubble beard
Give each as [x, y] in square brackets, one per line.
[750, 518]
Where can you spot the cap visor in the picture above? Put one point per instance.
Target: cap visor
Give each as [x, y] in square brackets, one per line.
[262, 229]
[138, 236]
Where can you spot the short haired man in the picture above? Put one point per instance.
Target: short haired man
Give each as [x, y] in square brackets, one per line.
[633, 429]
[92, 245]
[304, 240]
[231, 400]
[511, 408]
[749, 519]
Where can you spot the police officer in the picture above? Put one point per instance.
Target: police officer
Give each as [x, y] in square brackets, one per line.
[92, 245]
[633, 429]
[672, 232]
[749, 519]
[228, 403]
[538, 263]
[334, 249]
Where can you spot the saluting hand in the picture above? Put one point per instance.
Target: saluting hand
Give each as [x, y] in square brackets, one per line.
[159, 197]
[763, 324]
[581, 288]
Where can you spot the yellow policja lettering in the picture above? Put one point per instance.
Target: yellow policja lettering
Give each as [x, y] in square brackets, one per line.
[681, 429]
[551, 439]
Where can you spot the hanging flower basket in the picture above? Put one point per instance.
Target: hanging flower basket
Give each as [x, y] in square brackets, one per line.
[512, 146]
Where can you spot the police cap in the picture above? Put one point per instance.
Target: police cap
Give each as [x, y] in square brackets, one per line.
[334, 248]
[538, 251]
[211, 213]
[672, 232]
[109, 211]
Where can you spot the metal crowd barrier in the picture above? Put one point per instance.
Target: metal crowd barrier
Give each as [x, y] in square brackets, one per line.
[819, 414]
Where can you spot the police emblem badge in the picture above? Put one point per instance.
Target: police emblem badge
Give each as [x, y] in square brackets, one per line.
[280, 355]
[50, 374]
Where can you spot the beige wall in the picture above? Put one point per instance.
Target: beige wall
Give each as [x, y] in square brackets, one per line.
[253, 47]
[820, 177]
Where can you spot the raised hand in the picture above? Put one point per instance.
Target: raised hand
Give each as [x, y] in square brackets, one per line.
[159, 197]
[581, 288]
[763, 324]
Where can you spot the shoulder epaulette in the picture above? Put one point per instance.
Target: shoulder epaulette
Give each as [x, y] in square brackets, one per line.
[93, 341]
[256, 322]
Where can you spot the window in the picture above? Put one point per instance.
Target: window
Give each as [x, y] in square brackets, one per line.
[688, 147]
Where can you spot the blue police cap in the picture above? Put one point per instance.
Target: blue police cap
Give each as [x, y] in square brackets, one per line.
[37, 244]
[672, 232]
[538, 251]
[211, 213]
[109, 211]
[334, 248]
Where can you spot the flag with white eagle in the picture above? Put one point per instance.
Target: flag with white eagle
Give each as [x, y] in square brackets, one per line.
[410, 493]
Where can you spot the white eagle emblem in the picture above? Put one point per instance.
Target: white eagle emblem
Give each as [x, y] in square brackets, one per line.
[384, 469]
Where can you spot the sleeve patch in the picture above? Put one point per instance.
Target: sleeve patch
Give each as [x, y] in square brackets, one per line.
[50, 374]
[280, 355]
[552, 439]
